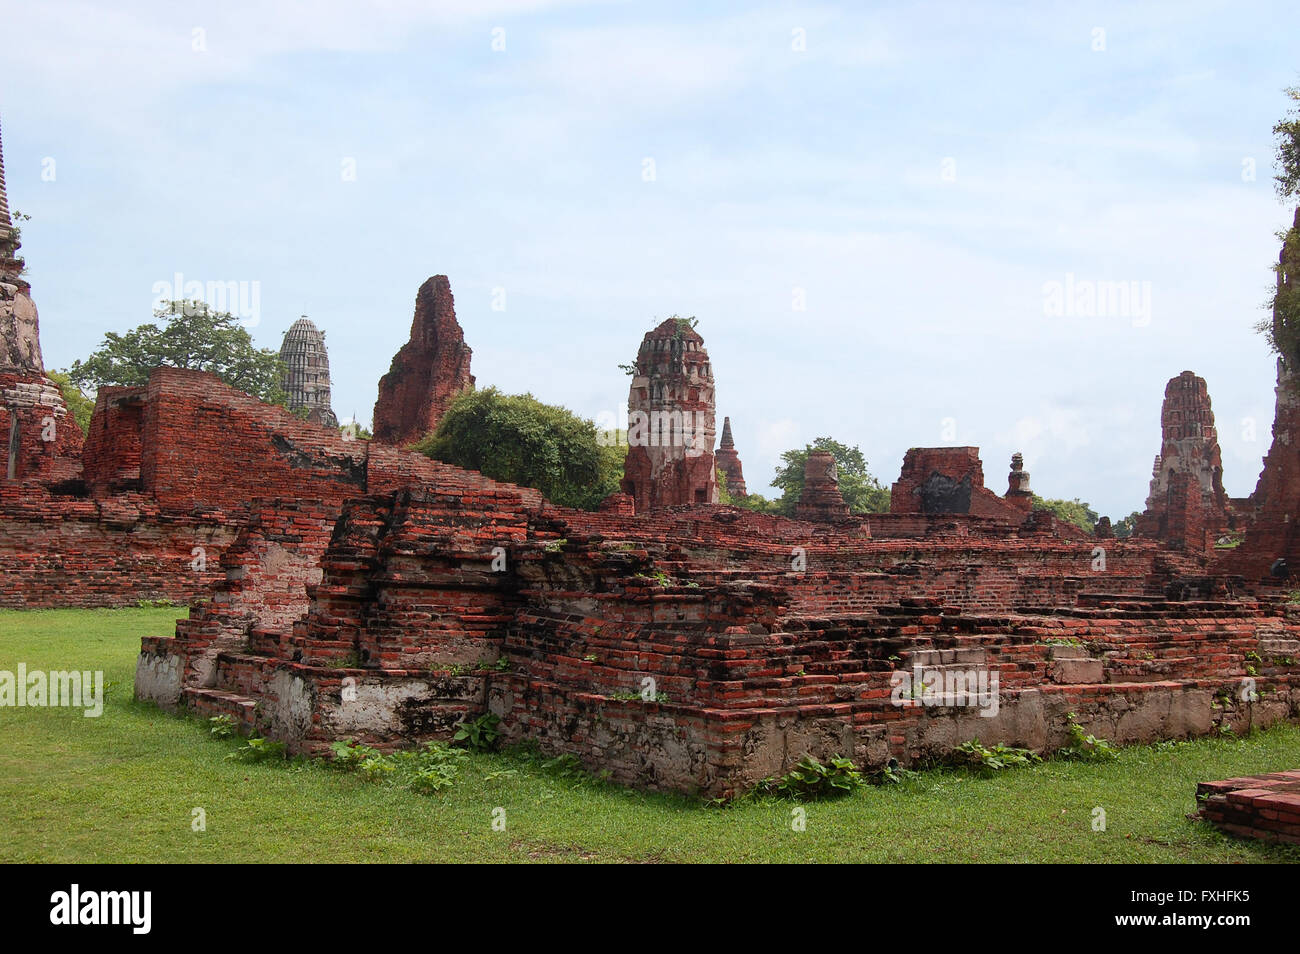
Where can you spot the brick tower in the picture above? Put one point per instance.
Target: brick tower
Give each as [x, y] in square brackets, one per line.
[1186, 499]
[729, 462]
[427, 372]
[671, 423]
[38, 438]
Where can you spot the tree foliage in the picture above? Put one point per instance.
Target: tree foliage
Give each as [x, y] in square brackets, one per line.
[79, 406]
[862, 492]
[1126, 527]
[516, 438]
[1287, 133]
[1282, 325]
[1071, 511]
[193, 337]
[355, 431]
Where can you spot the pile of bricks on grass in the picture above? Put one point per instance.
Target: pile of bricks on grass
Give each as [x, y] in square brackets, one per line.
[1254, 806]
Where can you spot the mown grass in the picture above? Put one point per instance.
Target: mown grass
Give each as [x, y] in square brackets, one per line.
[121, 788]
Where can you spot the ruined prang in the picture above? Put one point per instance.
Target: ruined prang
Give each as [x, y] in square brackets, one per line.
[428, 372]
[306, 378]
[20, 340]
[1271, 515]
[37, 434]
[821, 500]
[729, 462]
[671, 421]
[1186, 505]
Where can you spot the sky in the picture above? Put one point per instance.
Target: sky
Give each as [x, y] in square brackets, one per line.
[898, 224]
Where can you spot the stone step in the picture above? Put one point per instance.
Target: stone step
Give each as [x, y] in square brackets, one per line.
[206, 703]
[943, 658]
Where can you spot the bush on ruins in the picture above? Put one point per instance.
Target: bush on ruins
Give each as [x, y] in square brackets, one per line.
[80, 406]
[1071, 511]
[516, 438]
[195, 338]
[862, 492]
[1281, 327]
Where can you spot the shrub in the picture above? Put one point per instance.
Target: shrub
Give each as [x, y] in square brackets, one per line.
[478, 735]
[257, 749]
[516, 438]
[221, 726]
[811, 780]
[1084, 747]
[984, 760]
[426, 770]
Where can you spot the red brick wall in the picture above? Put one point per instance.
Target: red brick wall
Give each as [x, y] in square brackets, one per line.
[80, 552]
[111, 455]
[207, 445]
[958, 466]
[176, 464]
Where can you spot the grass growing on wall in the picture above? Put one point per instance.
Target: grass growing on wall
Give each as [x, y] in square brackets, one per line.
[122, 788]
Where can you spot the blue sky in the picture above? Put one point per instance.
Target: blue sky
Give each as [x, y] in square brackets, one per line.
[915, 174]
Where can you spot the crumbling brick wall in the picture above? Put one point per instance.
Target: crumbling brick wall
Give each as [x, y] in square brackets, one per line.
[937, 480]
[40, 442]
[752, 661]
[172, 466]
[67, 551]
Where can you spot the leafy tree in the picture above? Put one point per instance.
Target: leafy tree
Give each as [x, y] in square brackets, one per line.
[516, 438]
[79, 406]
[862, 492]
[1287, 131]
[1125, 528]
[1282, 326]
[755, 502]
[194, 337]
[724, 496]
[355, 430]
[1071, 511]
[613, 450]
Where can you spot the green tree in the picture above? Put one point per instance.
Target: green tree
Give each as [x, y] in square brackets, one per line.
[516, 438]
[1071, 511]
[1125, 528]
[862, 492]
[194, 337]
[1287, 133]
[355, 431]
[755, 502]
[724, 496]
[1282, 325]
[79, 406]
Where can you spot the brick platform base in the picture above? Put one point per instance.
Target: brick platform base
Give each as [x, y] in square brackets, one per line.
[1256, 806]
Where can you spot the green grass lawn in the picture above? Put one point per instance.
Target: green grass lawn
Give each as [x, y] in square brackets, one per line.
[121, 788]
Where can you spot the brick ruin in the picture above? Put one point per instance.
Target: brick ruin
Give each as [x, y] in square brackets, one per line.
[346, 588]
[939, 480]
[427, 373]
[36, 431]
[762, 637]
[1186, 505]
[696, 647]
[821, 500]
[671, 421]
[1256, 806]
